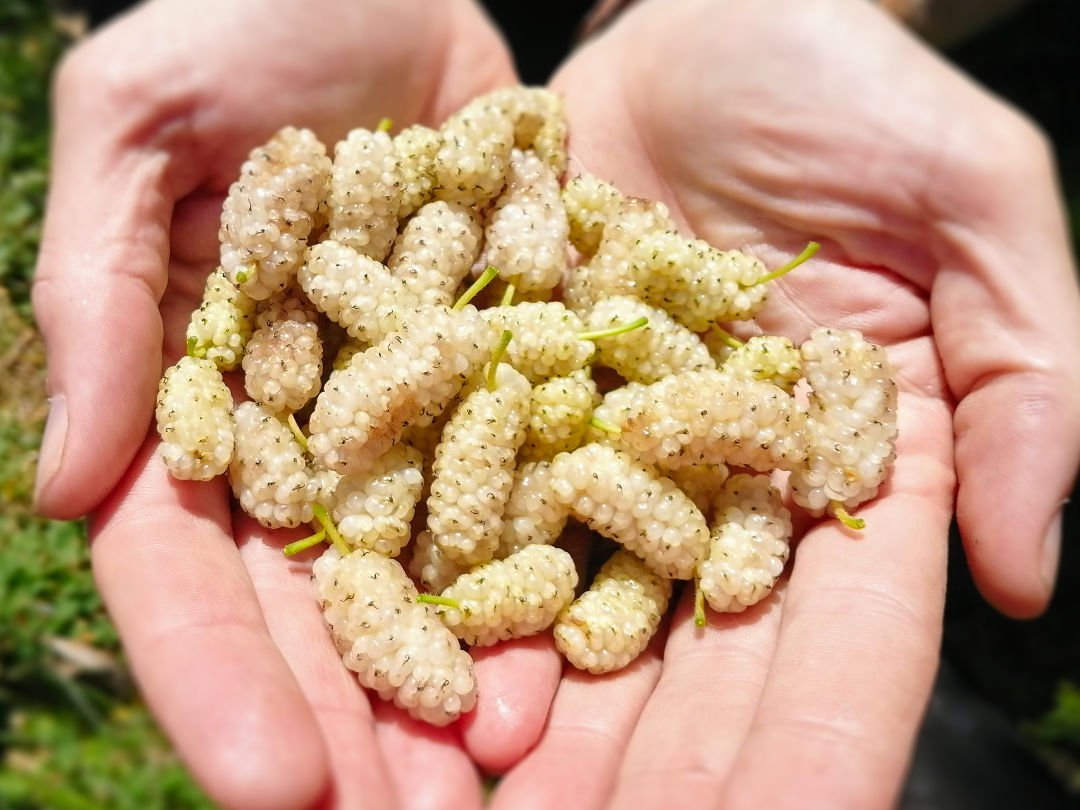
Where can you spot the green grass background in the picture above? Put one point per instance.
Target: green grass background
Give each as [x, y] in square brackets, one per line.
[73, 733]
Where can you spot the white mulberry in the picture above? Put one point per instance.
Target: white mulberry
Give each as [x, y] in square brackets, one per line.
[195, 420]
[365, 193]
[221, 327]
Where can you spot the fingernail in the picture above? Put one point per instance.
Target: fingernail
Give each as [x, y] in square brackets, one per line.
[1051, 552]
[52, 445]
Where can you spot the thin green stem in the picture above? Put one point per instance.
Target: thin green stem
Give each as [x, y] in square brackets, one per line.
[331, 529]
[810, 249]
[508, 296]
[621, 329]
[496, 358]
[433, 599]
[842, 514]
[385, 125]
[607, 427]
[728, 338]
[297, 432]
[192, 343]
[306, 543]
[489, 276]
[699, 604]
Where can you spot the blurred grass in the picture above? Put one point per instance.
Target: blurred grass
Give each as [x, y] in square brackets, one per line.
[73, 733]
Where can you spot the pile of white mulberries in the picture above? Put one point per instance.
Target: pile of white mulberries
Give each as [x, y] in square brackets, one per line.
[418, 320]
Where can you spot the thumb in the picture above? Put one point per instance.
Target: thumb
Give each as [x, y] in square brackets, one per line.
[1006, 314]
[101, 271]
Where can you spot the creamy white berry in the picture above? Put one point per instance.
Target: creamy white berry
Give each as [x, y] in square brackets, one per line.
[221, 327]
[283, 365]
[194, 420]
[365, 193]
[436, 249]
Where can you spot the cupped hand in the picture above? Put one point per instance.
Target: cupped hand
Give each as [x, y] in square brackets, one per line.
[765, 126]
[153, 117]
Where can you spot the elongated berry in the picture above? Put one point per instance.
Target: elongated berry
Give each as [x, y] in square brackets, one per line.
[546, 342]
[221, 327]
[625, 501]
[416, 147]
[406, 379]
[470, 166]
[283, 365]
[533, 514]
[590, 205]
[435, 251]
[749, 544]
[645, 355]
[852, 420]
[374, 509]
[766, 357]
[710, 417]
[365, 193]
[397, 646]
[270, 211]
[195, 420]
[474, 468]
[526, 230]
[559, 414]
[610, 625]
[510, 598]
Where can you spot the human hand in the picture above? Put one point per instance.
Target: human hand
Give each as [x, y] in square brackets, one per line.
[765, 126]
[153, 117]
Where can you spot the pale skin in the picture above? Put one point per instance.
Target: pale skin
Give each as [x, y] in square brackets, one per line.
[931, 201]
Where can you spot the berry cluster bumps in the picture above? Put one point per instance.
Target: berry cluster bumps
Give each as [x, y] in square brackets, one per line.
[454, 358]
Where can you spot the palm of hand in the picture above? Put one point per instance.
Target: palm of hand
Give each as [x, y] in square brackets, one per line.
[841, 658]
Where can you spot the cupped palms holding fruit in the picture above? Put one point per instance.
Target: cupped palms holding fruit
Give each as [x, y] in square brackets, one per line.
[759, 128]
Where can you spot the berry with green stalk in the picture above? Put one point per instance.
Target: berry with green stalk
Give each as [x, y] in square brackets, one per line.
[748, 547]
[851, 423]
[365, 192]
[549, 339]
[626, 501]
[610, 625]
[396, 645]
[474, 464]
[645, 355]
[510, 598]
[407, 379]
[374, 509]
[616, 405]
[221, 326]
[699, 284]
[195, 420]
[770, 358]
[270, 211]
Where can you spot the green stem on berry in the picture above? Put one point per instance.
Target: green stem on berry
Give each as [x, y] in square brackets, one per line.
[297, 432]
[385, 125]
[489, 276]
[244, 274]
[607, 427]
[496, 358]
[508, 296]
[621, 329]
[432, 599]
[191, 345]
[841, 514]
[727, 338]
[699, 604]
[331, 529]
[306, 543]
[810, 249]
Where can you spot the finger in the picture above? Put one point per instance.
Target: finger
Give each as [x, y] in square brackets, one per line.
[101, 272]
[696, 719]
[427, 765]
[172, 580]
[591, 720]
[1006, 339]
[858, 642]
[340, 705]
[516, 684]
